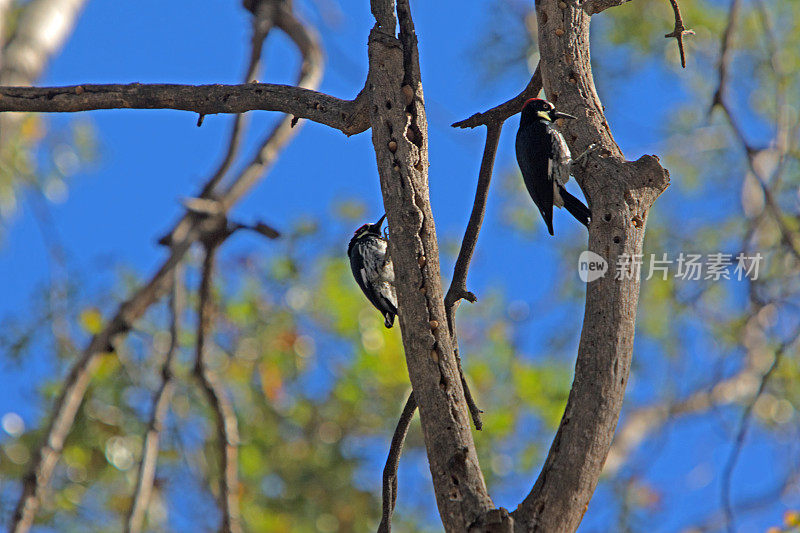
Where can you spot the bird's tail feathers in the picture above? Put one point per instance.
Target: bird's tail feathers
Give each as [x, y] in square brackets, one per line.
[575, 207]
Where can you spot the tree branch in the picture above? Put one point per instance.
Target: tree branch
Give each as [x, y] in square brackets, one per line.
[619, 193]
[202, 99]
[679, 31]
[224, 414]
[499, 114]
[147, 468]
[393, 462]
[189, 230]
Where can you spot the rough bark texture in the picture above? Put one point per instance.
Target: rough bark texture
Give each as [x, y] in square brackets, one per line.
[344, 115]
[399, 134]
[620, 194]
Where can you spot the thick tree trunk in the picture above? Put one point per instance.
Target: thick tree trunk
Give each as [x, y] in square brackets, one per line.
[400, 139]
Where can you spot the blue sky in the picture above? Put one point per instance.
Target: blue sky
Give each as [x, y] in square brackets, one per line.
[120, 205]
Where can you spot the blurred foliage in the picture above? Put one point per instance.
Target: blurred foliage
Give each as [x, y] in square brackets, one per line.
[40, 160]
[318, 382]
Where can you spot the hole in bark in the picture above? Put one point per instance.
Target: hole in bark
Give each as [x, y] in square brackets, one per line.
[544, 18]
[388, 104]
[616, 240]
[607, 217]
[455, 480]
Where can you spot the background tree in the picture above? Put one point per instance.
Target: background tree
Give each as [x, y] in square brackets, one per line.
[298, 352]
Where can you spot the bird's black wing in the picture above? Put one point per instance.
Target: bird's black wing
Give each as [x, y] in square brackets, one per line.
[370, 270]
[533, 157]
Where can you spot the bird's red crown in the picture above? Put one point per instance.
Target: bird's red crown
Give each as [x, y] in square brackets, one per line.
[529, 100]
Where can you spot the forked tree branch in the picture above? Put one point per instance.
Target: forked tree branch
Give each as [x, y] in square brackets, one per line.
[189, 230]
[620, 194]
[679, 31]
[262, 22]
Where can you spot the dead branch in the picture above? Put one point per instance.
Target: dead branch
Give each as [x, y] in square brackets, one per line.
[201, 99]
[500, 113]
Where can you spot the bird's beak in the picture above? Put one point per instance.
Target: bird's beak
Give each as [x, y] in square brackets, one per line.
[380, 221]
[559, 114]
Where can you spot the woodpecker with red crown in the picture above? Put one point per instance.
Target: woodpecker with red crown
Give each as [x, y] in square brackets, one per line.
[545, 160]
[373, 270]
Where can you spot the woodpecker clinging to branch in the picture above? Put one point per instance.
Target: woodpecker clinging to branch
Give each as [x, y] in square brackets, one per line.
[373, 270]
[544, 159]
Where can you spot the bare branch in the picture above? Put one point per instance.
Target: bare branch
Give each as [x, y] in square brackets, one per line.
[189, 230]
[498, 114]
[161, 400]
[679, 31]
[202, 99]
[224, 414]
[392, 463]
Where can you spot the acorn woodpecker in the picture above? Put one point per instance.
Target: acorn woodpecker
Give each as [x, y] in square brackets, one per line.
[373, 270]
[544, 159]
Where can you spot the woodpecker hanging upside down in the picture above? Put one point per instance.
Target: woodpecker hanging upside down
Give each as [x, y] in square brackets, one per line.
[373, 270]
[544, 159]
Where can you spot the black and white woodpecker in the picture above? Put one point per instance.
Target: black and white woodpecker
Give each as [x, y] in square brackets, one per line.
[373, 270]
[545, 160]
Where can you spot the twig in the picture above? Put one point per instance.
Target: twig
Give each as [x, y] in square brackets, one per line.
[188, 230]
[224, 414]
[161, 400]
[679, 31]
[593, 7]
[493, 120]
[507, 109]
[392, 463]
[741, 434]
